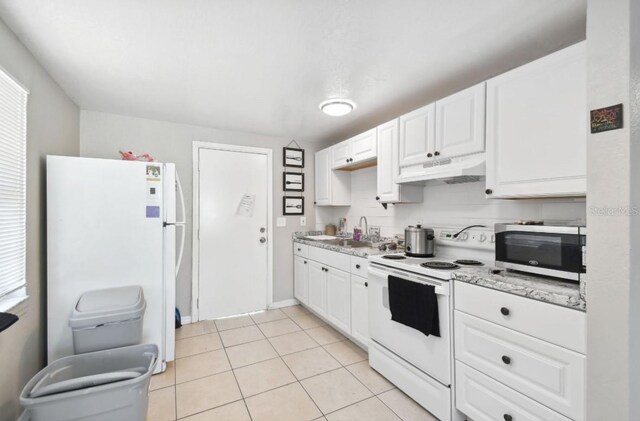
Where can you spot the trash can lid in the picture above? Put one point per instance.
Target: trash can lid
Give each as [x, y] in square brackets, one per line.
[107, 306]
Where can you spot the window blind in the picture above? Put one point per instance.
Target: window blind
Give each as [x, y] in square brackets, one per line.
[13, 148]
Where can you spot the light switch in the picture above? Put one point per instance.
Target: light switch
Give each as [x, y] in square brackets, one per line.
[303, 221]
[281, 222]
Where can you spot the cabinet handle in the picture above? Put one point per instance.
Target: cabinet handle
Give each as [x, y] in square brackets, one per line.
[436, 153]
[377, 197]
[299, 249]
[504, 311]
[488, 191]
[347, 159]
[429, 155]
[507, 417]
[366, 284]
[506, 359]
[305, 262]
[357, 266]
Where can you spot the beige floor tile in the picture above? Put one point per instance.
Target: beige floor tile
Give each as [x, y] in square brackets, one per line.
[346, 352]
[310, 362]
[260, 377]
[250, 353]
[268, 316]
[206, 393]
[201, 365]
[325, 335]
[236, 411]
[162, 405]
[287, 403]
[197, 345]
[195, 329]
[279, 327]
[295, 311]
[234, 322]
[308, 321]
[335, 390]
[240, 335]
[370, 410]
[164, 379]
[370, 378]
[292, 342]
[405, 407]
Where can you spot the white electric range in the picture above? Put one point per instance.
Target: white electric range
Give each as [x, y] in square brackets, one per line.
[421, 365]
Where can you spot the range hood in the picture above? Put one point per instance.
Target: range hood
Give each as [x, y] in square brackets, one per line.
[465, 169]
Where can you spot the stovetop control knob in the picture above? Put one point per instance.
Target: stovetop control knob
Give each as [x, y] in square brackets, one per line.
[482, 238]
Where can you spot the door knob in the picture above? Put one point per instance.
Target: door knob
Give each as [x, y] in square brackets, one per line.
[263, 240]
[263, 229]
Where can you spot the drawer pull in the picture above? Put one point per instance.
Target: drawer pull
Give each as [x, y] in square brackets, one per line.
[305, 262]
[357, 266]
[504, 311]
[506, 359]
[507, 417]
[366, 284]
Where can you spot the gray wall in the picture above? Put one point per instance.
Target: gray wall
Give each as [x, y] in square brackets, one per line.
[613, 179]
[102, 135]
[52, 128]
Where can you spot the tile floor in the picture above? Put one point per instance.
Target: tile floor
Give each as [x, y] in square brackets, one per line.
[277, 365]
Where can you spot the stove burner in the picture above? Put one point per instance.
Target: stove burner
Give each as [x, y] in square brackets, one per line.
[394, 257]
[468, 262]
[439, 265]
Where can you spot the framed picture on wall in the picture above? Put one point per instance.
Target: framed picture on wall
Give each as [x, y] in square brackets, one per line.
[293, 157]
[292, 205]
[292, 181]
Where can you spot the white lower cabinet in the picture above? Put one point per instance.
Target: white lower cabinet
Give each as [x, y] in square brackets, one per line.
[333, 285]
[339, 298]
[507, 366]
[317, 288]
[301, 279]
[360, 309]
[483, 399]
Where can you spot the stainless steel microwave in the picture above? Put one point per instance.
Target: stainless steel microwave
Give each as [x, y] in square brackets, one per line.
[551, 250]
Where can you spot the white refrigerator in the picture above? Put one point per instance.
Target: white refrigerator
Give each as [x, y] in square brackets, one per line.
[111, 223]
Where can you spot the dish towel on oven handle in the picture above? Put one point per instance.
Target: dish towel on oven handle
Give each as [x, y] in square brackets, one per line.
[414, 304]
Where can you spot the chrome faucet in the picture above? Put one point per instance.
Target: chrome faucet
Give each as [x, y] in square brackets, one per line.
[365, 233]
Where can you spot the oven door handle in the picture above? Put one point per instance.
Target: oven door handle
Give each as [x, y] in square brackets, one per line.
[439, 288]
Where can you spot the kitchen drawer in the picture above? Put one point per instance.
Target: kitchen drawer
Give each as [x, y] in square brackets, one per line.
[330, 258]
[359, 266]
[547, 373]
[301, 250]
[559, 325]
[483, 399]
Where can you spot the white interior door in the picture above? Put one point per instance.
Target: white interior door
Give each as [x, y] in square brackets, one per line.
[233, 237]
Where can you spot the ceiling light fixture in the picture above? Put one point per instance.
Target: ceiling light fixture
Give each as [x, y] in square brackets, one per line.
[337, 107]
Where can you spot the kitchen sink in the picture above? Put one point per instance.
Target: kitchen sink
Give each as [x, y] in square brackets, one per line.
[346, 242]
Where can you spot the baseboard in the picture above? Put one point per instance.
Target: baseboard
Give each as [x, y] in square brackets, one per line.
[185, 320]
[285, 303]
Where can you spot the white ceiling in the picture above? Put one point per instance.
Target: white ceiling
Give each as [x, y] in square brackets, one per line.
[263, 66]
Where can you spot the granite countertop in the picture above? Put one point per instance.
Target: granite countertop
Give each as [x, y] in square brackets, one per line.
[562, 293]
[298, 237]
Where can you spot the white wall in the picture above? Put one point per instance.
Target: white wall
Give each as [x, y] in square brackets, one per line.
[443, 205]
[52, 128]
[102, 135]
[613, 180]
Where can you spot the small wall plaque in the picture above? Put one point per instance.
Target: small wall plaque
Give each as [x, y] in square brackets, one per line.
[607, 118]
[292, 205]
[293, 181]
[292, 157]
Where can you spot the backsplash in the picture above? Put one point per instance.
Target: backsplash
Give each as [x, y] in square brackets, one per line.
[454, 205]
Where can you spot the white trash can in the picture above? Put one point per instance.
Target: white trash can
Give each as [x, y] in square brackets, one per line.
[108, 318]
[109, 385]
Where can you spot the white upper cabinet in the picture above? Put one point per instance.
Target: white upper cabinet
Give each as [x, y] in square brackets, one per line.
[537, 128]
[388, 191]
[333, 188]
[340, 154]
[417, 136]
[364, 147]
[460, 123]
[358, 149]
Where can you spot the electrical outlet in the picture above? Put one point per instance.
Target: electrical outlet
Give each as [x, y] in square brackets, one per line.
[303, 221]
[281, 222]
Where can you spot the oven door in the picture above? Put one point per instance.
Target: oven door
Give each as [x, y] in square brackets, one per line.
[430, 354]
[554, 251]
